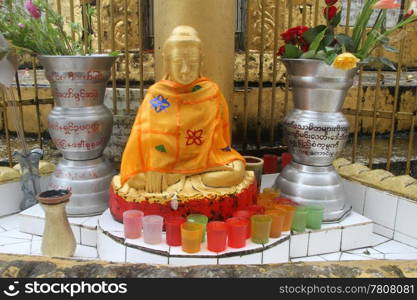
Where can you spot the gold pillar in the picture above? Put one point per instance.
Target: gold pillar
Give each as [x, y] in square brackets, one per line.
[215, 22]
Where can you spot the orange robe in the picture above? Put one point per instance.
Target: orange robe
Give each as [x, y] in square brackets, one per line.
[181, 129]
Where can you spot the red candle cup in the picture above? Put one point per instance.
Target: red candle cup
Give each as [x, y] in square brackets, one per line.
[270, 163]
[216, 236]
[256, 209]
[173, 230]
[237, 229]
[285, 159]
[247, 214]
[132, 223]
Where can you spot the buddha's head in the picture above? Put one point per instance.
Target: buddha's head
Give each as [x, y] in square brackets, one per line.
[182, 55]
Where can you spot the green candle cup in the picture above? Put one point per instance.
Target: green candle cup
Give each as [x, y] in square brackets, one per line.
[314, 216]
[200, 219]
[261, 228]
[299, 222]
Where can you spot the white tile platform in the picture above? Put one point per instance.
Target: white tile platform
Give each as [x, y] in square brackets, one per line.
[32, 221]
[393, 236]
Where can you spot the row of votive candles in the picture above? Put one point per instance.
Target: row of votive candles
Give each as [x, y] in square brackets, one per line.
[190, 232]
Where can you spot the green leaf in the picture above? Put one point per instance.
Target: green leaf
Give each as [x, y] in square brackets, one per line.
[345, 41]
[292, 51]
[387, 62]
[311, 34]
[114, 53]
[329, 50]
[321, 55]
[328, 39]
[383, 39]
[330, 58]
[309, 54]
[316, 42]
[336, 20]
[390, 48]
[361, 22]
[368, 60]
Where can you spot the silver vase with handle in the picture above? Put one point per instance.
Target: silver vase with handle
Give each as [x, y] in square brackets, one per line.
[80, 126]
[316, 132]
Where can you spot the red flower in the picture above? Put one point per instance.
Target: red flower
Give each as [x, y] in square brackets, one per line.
[330, 2]
[281, 51]
[292, 35]
[301, 30]
[304, 45]
[330, 12]
[289, 36]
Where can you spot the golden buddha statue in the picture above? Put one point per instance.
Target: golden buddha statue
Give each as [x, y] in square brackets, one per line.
[180, 141]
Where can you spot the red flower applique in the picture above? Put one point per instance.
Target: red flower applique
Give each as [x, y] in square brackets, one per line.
[194, 137]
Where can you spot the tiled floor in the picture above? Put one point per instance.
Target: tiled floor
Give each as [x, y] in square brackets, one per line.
[16, 242]
[12, 241]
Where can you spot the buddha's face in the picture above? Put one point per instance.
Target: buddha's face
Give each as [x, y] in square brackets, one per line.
[184, 60]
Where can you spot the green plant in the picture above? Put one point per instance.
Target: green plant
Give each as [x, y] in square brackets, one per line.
[321, 42]
[33, 26]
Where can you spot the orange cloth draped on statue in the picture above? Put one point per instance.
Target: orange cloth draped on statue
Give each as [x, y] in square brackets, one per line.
[181, 129]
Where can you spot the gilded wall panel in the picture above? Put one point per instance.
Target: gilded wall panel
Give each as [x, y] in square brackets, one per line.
[120, 29]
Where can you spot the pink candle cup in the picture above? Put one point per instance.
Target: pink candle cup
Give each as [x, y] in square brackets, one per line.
[132, 223]
[152, 229]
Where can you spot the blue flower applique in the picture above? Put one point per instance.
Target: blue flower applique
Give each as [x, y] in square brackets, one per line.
[160, 103]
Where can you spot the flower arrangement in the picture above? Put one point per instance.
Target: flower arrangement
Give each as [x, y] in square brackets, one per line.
[341, 50]
[34, 27]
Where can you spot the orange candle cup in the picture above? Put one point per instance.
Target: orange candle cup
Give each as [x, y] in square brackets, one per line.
[237, 229]
[247, 214]
[191, 234]
[216, 236]
[266, 198]
[261, 228]
[278, 219]
[289, 217]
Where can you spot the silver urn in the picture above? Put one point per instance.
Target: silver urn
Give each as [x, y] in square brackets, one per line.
[80, 126]
[316, 132]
